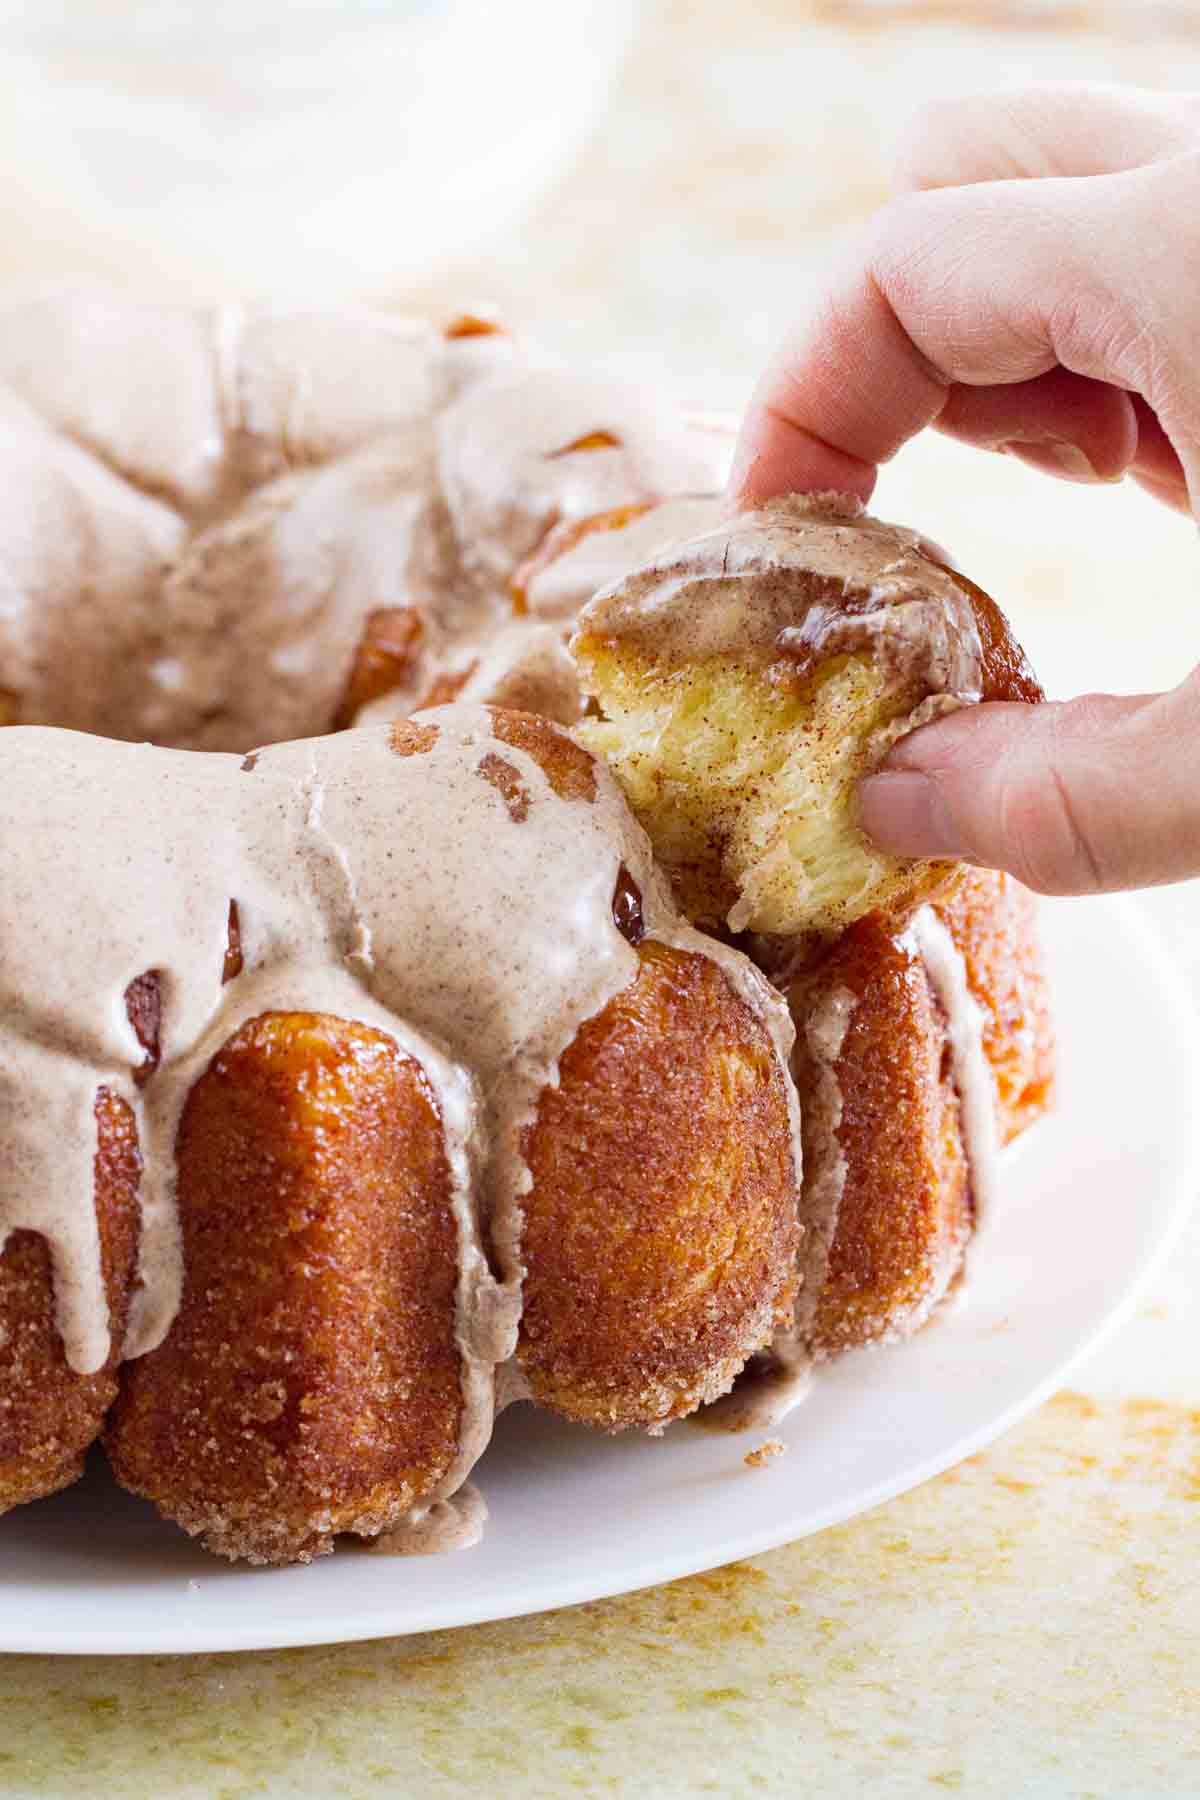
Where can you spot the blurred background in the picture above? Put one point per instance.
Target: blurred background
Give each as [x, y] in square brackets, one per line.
[653, 185]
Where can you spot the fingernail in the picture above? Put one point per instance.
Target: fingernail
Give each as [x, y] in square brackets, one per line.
[906, 814]
[1056, 457]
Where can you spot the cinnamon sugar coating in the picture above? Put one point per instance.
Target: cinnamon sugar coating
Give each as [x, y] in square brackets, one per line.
[383, 660]
[50, 1415]
[904, 1215]
[567, 766]
[993, 921]
[903, 1210]
[660, 1230]
[310, 1382]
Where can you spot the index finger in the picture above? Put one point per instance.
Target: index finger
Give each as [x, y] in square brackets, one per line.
[982, 286]
[842, 395]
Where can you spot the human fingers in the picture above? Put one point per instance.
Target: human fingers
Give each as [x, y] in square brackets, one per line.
[984, 287]
[1053, 128]
[1156, 465]
[1083, 797]
[1063, 423]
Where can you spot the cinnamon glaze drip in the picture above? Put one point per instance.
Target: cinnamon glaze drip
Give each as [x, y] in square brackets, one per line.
[970, 1069]
[453, 881]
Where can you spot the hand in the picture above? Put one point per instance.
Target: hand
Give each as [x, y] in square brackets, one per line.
[1037, 291]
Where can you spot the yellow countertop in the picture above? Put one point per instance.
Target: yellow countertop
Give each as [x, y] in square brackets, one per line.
[1027, 1623]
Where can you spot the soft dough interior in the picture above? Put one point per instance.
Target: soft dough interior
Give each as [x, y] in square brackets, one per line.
[746, 784]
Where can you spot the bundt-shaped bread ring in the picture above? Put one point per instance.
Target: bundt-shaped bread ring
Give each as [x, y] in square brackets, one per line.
[654, 1228]
[355, 1086]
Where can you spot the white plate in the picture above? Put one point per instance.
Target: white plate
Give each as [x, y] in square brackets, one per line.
[1090, 1204]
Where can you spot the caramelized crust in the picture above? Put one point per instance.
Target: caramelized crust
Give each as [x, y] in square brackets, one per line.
[591, 440]
[384, 659]
[234, 961]
[570, 769]
[310, 1383]
[469, 325]
[660, 1230]
[49, 1415]
[1006, 672]
[446, 687]
[905, 1213]
[992, 919]
[408, 738]
[143, 1009]
[564, 537]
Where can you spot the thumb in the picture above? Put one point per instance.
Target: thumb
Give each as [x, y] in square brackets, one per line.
[1075, 798]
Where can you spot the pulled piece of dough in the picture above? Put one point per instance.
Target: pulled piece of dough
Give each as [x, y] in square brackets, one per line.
[744, 681]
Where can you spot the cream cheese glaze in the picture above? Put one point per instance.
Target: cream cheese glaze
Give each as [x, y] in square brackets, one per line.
[234, 493]
[400, 890]
[524, 665]
[528, 452]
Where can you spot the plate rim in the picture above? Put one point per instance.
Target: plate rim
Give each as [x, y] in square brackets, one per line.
[329, 1627]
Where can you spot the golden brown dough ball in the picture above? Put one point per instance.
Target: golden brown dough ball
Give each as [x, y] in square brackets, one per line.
[50, 1414]
[310, 1383]
[660, 1230]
